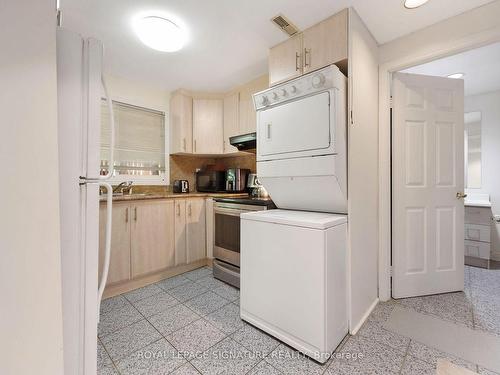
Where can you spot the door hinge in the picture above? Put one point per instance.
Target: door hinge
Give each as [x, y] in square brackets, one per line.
[390, 271]
[391, 102]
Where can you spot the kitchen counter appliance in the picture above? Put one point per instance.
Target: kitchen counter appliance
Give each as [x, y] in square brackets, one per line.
[211, 181]
[236, 179]
[227, 211]
[181, 186]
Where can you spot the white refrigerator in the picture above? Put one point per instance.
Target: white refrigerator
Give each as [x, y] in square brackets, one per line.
[80, 84]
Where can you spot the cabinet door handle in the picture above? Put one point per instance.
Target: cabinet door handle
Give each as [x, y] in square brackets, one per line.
[195, 145]
[126, 215]
[297, 57]
[189, 209]
[184, 144]
[178, 210]
[135, 213]
[269, 131]
[305, 57]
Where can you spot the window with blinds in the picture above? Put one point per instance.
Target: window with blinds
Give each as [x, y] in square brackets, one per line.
[139, 142]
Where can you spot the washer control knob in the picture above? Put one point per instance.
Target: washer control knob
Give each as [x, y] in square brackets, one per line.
[264, 100]
[293, 89]
[318, 80]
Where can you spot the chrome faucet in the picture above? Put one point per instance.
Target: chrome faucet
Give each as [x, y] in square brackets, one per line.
[124, 186]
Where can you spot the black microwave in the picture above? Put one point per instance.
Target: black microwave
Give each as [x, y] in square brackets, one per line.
[211, 181]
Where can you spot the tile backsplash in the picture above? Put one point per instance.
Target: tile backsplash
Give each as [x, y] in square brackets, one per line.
[183, 167]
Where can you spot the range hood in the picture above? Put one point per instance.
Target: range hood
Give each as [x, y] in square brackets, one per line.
[244, 142]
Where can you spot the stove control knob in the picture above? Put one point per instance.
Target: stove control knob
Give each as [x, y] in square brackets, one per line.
[293, 89]
[275, 96]
[264, 100]
[283, 92]
[318, 80]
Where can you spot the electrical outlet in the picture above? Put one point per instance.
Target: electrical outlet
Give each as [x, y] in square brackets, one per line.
[496, 218]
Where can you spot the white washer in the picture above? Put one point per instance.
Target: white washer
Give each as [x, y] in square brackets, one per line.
[293, 278]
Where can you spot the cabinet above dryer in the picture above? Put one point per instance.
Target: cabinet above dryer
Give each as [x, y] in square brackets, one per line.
[320, 45]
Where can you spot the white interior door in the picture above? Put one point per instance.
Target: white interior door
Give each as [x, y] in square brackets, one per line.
[428, 182]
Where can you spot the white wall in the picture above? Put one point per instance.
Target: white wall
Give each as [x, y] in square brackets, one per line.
[135, 93]
[30, 269]
[362, 172]
[489, 106]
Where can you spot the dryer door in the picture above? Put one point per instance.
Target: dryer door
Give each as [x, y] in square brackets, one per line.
[297, 128]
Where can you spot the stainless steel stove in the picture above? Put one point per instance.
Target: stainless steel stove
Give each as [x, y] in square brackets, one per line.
[227, 234]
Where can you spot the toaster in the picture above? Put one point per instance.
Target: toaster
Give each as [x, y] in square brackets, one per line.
[181, 186]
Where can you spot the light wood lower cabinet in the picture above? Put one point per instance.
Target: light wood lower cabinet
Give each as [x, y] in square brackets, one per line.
[190, 231]
[119, 267]
[180, 232]
[152, 237]
[195, 229]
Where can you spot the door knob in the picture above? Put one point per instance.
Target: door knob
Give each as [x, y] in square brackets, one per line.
[461, 195]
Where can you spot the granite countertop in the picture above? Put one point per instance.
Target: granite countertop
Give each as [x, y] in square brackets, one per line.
[145, 196]
[477, 200]
[477, 203]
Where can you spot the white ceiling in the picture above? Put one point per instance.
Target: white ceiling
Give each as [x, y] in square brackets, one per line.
[229, 39]
[481, 67]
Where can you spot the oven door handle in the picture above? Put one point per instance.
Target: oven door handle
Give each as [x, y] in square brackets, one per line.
[228, 211]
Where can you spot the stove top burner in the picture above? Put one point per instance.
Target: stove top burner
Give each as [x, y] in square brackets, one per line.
[249, 200]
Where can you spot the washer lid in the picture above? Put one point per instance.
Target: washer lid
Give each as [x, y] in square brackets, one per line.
[306, 219]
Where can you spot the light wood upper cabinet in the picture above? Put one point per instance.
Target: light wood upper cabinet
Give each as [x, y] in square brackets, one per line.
[318, 46]
[152, 236]
[119, 267]
[181, 123]
[231, 120]
[195, 229]
[208, 126]
[180, 232]
[285, 60]
[247, 114]
[325, 43]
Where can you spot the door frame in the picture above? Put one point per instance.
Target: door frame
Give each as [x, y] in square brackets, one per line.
[469, 42]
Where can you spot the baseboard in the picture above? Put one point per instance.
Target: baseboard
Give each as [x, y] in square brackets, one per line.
[127, 286]
[356, 328]
[477, 262]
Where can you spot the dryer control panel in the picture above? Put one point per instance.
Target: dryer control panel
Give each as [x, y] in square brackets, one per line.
[320, 80]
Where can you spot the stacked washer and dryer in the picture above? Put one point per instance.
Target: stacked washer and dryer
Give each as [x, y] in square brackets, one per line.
[294, 258]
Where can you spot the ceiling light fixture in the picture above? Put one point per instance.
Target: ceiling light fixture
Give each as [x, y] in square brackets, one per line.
[160, 33]
[456, 75]
[412, 4]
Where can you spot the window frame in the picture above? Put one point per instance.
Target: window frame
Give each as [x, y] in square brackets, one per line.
[160, 180]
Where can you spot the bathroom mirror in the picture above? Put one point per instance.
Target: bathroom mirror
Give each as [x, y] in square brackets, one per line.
[472, 141]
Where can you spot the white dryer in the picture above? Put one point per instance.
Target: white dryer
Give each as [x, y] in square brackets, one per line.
[301, 142]
[293, 278]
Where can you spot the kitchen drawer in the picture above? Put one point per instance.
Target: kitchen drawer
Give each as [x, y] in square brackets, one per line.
[478, 215]
[477, 232]
[477, 249]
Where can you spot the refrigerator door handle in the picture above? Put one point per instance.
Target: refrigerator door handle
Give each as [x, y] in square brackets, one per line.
[107, 251]
[111, 163]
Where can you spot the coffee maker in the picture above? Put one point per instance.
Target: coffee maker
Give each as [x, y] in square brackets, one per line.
[236, 179]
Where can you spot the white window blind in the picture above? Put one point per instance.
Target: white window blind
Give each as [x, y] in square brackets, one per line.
[139, 140]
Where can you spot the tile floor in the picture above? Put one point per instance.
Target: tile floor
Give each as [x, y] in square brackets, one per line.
[189, 324]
